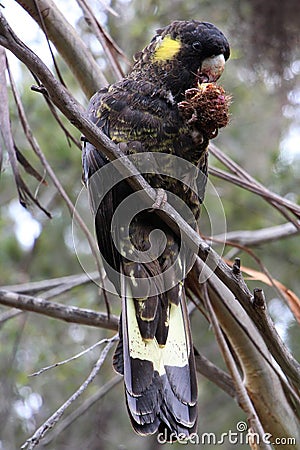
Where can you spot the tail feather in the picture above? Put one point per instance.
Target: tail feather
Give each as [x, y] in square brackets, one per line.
[181, 413]
[160, 380]
[181, 383]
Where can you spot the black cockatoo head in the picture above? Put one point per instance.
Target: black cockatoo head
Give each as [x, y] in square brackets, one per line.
[184, 53]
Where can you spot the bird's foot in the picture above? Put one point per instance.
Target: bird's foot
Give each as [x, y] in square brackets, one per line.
[161, 199]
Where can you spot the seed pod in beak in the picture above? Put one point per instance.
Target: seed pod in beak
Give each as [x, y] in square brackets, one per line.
[206, 108]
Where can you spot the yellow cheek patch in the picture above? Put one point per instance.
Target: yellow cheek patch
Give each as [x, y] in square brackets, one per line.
[167, 49]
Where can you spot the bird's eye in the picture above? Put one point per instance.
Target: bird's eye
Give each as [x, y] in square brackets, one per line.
[197, 45]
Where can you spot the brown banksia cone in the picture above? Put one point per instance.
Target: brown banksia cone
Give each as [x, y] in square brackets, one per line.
[206, 108]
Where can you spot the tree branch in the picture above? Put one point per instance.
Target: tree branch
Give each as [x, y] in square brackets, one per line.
[106, 42]
[68, 43]
[252, 238]
[242, 178]
[264, 385]
[87, 317]
[214, 374]
[71, 358]
[241, 391]
[38, 435]
[36, 286]
[82, 408]
[7, 315]
[58, 311]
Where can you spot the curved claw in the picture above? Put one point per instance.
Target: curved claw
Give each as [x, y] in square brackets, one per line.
[161, 199]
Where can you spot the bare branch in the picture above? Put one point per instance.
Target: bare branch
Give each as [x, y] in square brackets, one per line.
[72, 358]
[243, 179]
[203, 365]
[37, 150]
[54, 112]
[68, 44]
[214, 374]
[264, 382]
[36, 286]
[275, 200]
[7, 315]
[243, 174]
[77, 413]
[38, 435]
[108, 45]
[25, 195]
[283, 357]
[51, 309]
[241, 391]
[252, 238]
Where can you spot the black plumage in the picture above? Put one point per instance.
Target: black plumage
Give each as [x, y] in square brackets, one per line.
[141, 113]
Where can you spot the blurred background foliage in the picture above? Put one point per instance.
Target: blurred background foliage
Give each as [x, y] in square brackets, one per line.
[263, 137]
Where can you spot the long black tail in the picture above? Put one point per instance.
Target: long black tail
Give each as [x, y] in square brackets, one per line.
[160, 379]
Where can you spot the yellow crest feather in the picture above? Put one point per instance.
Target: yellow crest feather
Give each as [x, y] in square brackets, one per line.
[167, 49]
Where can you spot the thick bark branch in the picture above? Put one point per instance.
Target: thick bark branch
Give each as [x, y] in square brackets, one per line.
[249, 344]
[214, 374]
[242, 395]
[263, 384]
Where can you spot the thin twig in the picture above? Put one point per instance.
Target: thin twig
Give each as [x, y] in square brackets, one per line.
[106, 41]
[275, 200]
[43, 27]
[82, 408]
[54, 113]
[243, 174]
[74, 213]
[72, 358]
[69, 44]
[37, 150]
[25, 195]
[38, 435]
[36, 286]
[245, 180]
[7, 315]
